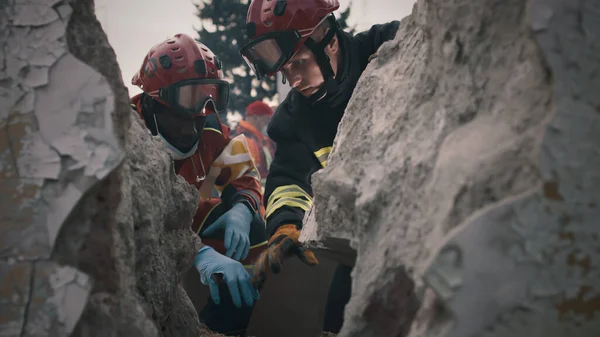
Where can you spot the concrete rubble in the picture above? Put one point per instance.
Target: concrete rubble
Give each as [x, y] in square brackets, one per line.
[469, 204]
[475, 174]
[94, 223]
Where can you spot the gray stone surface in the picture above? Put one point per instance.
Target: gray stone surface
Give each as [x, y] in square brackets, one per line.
[156, 208]
[476, 175]
[49, 158]
[94, 224]
[475, 171]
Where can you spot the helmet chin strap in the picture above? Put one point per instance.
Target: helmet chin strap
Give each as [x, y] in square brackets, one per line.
[329, 86]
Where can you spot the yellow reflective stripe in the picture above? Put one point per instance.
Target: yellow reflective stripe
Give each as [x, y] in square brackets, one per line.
[213, 129]
[288, 195]
[323, 151]
[206, 217]
[284, 189]
[259, 244]
[304, 204]
[281, 189]
[323, 154]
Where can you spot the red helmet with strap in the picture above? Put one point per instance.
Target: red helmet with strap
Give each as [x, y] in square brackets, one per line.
[277, 29]
[183, 74]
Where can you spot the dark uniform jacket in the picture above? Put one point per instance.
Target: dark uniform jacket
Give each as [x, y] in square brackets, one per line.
[304, 134]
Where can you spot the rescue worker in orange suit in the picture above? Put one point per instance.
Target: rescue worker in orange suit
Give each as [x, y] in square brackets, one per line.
[302, 40]
[183, 90]
[254, 127]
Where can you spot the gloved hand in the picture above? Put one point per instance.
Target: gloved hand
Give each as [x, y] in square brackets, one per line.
[236, 223]
[208, 263]
[283, 244]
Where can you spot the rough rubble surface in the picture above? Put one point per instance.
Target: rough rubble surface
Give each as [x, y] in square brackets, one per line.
[155, 214]
[57, 142]
[84, 251]
[476, 172]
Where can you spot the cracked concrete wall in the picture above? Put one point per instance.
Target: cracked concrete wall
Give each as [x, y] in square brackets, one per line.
[476, 173]
[57, 142]
[94, 241]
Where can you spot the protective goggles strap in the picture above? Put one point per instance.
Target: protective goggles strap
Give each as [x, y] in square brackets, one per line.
[319, 50]
[323, 61]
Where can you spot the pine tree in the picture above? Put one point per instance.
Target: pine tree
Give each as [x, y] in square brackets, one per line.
[222, 29]
[342, 19]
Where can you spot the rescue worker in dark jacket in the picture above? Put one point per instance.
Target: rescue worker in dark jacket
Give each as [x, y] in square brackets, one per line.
[322, 63]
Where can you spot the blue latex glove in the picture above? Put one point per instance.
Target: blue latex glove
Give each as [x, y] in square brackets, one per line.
[209, 262]
[236, 223]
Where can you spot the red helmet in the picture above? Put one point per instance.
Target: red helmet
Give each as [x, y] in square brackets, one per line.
[184, 75]
[277, 29]
[258, 108]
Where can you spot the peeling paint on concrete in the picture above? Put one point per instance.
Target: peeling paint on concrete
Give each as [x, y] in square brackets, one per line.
[56, 141]
[37, 159]
[58, 298]
[67, 228]
[87, 151]
[31, 13]
[56, 109]
[72, 144]
[36, 76]
[71, 290]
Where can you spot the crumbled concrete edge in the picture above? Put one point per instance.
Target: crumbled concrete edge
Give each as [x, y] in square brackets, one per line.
[532, 262]
[333, 242]
[545, 229]
[337, 246]
[57, 140]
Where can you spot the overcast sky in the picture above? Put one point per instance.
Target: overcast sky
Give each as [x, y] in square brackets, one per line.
[134, 26]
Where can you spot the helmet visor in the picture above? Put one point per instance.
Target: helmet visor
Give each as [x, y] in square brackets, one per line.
[268, 53]
[191, 96]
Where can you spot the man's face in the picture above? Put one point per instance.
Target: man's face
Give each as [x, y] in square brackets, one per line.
[303, 72]
[181, 130]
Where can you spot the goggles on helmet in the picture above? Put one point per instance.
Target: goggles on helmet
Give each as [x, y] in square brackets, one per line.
[191, 96]
[268, 53]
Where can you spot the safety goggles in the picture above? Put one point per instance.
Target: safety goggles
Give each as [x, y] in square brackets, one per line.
[191, 96]
[268, 53]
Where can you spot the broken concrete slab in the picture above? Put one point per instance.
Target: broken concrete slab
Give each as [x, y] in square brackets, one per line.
[94, 239]
[58, 296]
[538, 251]
[327, 244]
[15, 290]
[38, 187]
[157, 245]
[473, 172]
